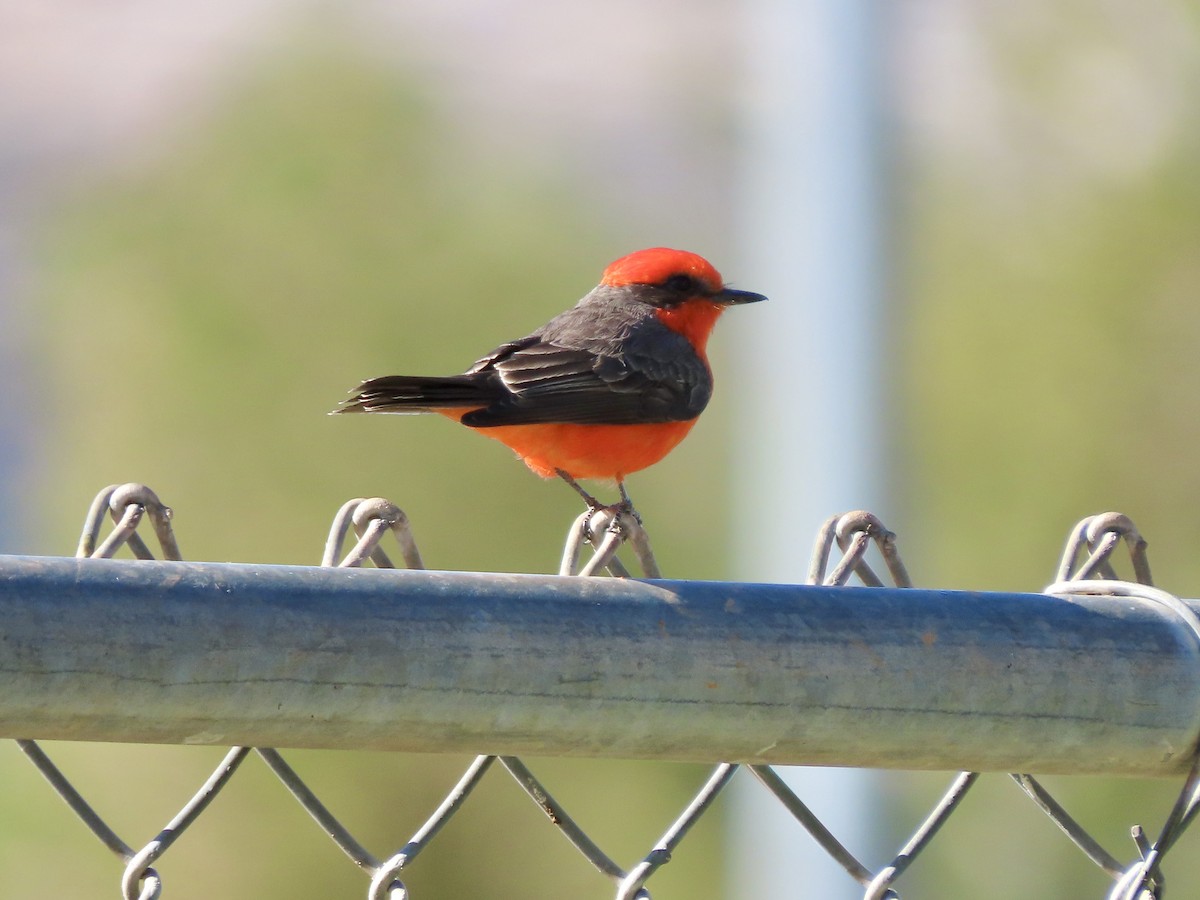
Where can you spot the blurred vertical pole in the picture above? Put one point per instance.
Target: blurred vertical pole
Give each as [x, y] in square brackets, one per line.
[14, 419]
[811, 398]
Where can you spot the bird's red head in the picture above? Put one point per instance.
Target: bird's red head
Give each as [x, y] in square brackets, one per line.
[687, 292]
[657, 265]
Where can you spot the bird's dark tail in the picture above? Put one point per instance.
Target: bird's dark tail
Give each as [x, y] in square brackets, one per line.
[415, 394]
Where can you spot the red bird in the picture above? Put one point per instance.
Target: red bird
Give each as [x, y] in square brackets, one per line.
[602, 390]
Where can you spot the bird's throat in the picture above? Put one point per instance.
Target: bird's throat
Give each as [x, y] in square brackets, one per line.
[694, 320]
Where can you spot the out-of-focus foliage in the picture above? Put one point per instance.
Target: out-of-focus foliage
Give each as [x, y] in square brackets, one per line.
[1053, 358]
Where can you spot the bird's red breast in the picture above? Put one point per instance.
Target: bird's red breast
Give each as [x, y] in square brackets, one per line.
[605, 452]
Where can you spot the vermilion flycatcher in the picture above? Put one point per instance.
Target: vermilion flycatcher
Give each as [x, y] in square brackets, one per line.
[602, 390]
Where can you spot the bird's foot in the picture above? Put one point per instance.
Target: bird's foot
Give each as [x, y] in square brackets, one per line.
[607, 528]
[624, 507]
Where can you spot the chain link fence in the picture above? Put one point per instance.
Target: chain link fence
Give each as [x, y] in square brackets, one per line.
[376, 532]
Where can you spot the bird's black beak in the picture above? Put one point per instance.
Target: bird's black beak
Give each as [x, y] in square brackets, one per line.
[729, 297]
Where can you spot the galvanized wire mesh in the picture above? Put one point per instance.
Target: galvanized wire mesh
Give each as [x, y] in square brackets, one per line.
[1088, 566]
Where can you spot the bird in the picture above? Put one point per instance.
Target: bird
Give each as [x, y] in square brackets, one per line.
[605, 389]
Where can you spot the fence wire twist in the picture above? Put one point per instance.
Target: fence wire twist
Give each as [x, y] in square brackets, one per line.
[1087, 566]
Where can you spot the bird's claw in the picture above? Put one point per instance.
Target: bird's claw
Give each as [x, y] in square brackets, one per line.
[614, 515]
[626, 504]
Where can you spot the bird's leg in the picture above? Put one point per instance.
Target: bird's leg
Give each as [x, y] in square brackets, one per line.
[626, 503]
[592, 503]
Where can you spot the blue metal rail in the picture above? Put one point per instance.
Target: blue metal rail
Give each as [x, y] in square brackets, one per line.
[205, 653]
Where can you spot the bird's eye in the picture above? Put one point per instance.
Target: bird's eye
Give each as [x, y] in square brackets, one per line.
[680, 283]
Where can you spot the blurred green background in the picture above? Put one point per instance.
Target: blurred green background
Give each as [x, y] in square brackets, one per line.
[325, 214]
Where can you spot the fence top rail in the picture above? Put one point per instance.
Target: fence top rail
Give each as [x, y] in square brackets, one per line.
[264, 655]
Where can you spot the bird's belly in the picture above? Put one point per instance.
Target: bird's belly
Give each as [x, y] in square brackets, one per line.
[590, 451]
